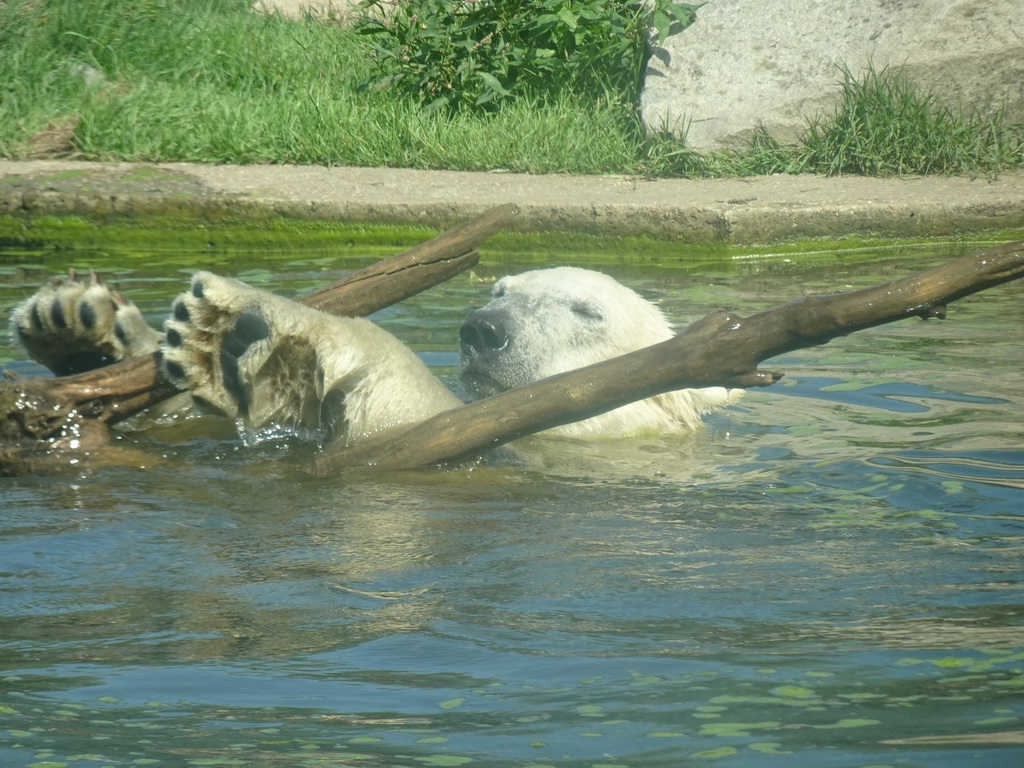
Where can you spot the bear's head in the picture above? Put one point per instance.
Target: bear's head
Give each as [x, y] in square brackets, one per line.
[549, 321]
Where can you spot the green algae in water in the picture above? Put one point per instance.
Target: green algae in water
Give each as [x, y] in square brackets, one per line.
[169, 235]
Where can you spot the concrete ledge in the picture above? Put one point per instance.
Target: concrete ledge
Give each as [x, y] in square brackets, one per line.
[738, 211]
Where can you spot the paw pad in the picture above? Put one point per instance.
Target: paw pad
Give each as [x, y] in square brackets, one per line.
[249, 328]
[211, 329]
[77, 324]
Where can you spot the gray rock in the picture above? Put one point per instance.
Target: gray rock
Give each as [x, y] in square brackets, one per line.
[778, 65]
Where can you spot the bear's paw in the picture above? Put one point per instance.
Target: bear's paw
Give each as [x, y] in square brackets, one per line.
[246, 354]
[78, 324]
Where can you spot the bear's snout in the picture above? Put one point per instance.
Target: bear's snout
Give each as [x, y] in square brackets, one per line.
[484, 331]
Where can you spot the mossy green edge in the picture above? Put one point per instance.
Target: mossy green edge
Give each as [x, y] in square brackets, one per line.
[160, 233]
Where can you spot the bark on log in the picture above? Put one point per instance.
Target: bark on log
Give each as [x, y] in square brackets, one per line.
[45, 419]
[722, 349]
[413, 271]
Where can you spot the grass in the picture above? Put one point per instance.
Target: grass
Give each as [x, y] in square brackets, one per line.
[209, 81]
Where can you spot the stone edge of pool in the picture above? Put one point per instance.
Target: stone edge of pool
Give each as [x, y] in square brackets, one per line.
[735, 211]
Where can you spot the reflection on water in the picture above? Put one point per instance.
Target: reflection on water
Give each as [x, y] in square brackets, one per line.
[828, 574]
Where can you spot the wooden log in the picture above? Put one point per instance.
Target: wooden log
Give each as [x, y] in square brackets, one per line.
[722, 349]
[413, 271]
[48, 416]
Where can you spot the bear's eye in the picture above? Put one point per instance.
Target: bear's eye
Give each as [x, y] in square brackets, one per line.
[498, 291]
[587, 309]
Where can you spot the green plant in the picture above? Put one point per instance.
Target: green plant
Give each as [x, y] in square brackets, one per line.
[477, 53]
[885, 126]
[210, 81]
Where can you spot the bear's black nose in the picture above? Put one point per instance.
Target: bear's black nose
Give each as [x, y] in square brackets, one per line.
[482, 332]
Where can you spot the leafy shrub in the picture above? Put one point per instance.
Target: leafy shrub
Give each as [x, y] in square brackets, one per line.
[477, 53]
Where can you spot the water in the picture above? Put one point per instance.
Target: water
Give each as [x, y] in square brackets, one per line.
[828, 574]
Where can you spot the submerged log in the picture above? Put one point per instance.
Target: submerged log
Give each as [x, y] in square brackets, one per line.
[722, 349]
[44, 420]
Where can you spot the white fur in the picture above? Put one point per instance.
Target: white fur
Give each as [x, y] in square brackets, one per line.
[345, 378]
[341, 376]
[555, 320]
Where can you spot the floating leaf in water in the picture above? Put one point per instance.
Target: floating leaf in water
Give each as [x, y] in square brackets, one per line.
[768, 748]
[590, 710]
[950, 662]
[647, 680]
[365, 739]
[432, 740]
[716, 752]
[256, 276]
[794, 692]
[444, 760]
[458, 701]
[665, 735]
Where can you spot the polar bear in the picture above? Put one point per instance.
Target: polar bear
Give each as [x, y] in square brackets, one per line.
[550, 321]
[266, 361]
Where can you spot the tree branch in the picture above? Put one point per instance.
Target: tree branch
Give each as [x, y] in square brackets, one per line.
[722, 349]
[44, 415]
